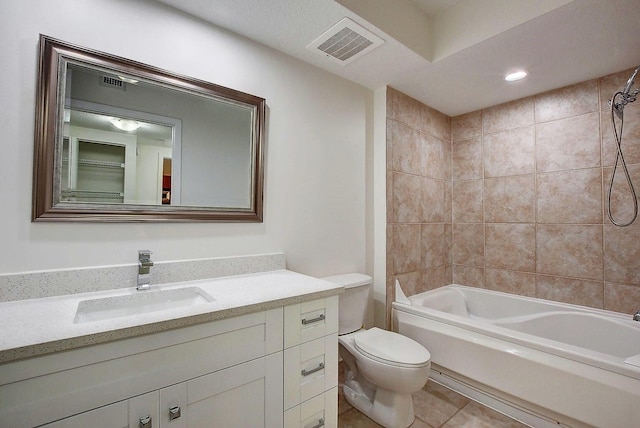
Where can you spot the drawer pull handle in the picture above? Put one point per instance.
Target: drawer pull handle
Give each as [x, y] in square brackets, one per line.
[311, 321]
[306, 372]
[319, 424]
[174, 412]
[145, 422]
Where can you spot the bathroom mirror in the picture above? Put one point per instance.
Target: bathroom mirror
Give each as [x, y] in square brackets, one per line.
[117, 140]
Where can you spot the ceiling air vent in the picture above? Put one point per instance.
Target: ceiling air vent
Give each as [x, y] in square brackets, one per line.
[112, 82]
[345, 41]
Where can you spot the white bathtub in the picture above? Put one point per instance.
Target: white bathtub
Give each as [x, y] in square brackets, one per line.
[543, 362]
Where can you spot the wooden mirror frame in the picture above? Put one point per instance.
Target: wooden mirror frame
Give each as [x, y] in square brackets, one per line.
[48, 134]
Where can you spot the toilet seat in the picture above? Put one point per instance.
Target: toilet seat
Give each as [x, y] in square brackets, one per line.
[391, 348]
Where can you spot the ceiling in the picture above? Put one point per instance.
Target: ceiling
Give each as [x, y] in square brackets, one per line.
[449, 54]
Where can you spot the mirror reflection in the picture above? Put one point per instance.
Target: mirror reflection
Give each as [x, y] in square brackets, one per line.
[138, 143]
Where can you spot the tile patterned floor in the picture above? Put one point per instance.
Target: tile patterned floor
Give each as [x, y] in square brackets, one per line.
[435, 407]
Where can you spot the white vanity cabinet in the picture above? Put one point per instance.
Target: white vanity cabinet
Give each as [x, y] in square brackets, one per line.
[311, 364]
[231, 368]
[273, 368]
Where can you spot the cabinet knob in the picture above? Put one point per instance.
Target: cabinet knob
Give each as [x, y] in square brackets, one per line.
[145, 422]
[174, 412]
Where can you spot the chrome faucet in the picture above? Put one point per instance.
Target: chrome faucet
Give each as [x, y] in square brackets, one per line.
[636, 316]
[144, 268]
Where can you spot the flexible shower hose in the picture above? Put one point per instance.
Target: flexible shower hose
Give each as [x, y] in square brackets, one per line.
[620, 159]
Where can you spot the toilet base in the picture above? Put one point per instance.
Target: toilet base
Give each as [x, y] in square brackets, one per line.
[389, 409]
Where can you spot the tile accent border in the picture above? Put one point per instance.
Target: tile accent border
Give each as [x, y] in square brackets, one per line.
[34, 285]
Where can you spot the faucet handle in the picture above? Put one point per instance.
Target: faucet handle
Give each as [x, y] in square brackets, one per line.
[144, 255]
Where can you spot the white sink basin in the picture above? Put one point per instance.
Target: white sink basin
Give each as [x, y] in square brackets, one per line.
[139, 303]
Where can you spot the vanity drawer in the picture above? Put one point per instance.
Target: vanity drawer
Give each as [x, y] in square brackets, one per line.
[310, 320]
[320, 411]
[310, 369]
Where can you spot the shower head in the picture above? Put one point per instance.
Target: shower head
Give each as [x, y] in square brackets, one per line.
[626, 96]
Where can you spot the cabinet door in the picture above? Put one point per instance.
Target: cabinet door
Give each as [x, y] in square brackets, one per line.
[246, 395]
[112, 416]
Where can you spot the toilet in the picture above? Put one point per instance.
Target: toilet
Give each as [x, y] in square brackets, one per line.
[383, 368]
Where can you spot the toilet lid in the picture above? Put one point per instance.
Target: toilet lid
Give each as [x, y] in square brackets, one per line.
[391, 348]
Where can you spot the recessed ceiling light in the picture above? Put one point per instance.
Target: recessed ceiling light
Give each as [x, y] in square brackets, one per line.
[516, 75]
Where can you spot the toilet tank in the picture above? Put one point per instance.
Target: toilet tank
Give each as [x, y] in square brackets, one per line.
[352, 304]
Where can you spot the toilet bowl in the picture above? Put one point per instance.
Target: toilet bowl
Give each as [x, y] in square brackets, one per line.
[383, 368]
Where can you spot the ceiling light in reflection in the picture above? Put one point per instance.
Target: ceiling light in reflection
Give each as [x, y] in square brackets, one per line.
[516, 75]
[125, 124]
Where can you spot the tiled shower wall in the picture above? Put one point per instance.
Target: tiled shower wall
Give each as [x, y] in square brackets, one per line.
[419, 226]
[528, 205]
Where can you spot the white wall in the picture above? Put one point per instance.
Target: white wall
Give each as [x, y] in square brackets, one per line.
[315, 199]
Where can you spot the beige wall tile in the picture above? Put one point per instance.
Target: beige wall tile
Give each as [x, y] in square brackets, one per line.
[510, 199]
[630, 136]
[508, 281]
[509, 152]
[466, 126]
[391, 130]
[467, 160]
[434, 277]
[406, 149]
[448, 274]
[622, 254]
[511, 246]
[622, 208]
[448, 161]
[390, 297]
[570, 250]
[406, 203]
[433, 157]
[568, 143]
[403, 108]
[468, 275]
[433, 200]
[514, 114]
[621, 298]
[570, 197]
[406, 248]
[389, 196]
[574, 291]
[448, 244]
[448, 201]
[436, 123]
[468, 244]
[467, 202]
[411, 282]
[390, 268]
[568, 101]
[433, 245]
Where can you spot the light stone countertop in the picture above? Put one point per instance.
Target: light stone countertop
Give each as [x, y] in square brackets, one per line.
[41, 326]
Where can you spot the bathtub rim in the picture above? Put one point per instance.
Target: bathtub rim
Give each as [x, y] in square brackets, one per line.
[480, 326]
